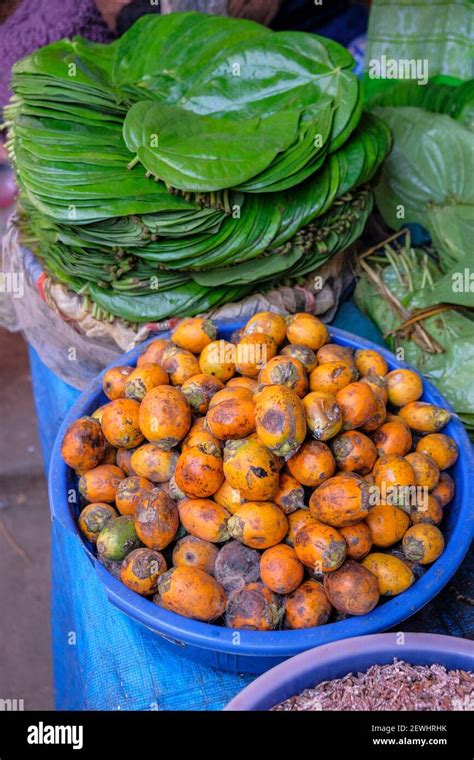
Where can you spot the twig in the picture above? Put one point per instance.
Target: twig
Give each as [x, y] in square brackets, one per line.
[385, 242]
[419, 334]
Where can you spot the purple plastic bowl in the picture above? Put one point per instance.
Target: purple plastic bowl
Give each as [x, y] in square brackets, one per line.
[339, 658]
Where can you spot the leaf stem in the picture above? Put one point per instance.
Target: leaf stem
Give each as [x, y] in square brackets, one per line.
[133, 163]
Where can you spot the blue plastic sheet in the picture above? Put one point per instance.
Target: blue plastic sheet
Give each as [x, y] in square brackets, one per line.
[103, 660]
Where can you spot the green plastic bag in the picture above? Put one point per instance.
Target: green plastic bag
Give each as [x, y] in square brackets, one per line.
[440, 33]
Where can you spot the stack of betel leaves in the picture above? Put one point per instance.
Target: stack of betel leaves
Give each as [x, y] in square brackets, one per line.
[421, 299]
[191, 162]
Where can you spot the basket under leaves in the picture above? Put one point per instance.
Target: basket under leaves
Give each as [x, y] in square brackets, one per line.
[191, 162]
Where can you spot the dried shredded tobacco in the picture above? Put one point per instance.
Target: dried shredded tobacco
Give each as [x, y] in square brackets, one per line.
[399, 686]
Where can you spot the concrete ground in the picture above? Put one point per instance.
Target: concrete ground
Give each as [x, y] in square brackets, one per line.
[25, 658]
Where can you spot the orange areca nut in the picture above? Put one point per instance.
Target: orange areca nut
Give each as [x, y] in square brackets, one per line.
[129, 493]
[426, 509]
[204, 519]
[120, 423]
[101, 483]
[228, 497]
[378, 386]
[113, 383]
[110, 455]
[191, 592]
[425, 468]
[323, 415]
[258, 524]
[199, 470]
[199, 434]
[153, 463]
[253, 608]
[179, 364]
[289, 495]
[251, 468]
[378, 419]
[143, 379]
[97, 413]
[199, 390]
[331, 352]
[444, 490]
[232, 419]
[297, 520]
[285, 370]
[253, 352]
[280, 569]
[341, 500]
[440, 447]
[393, 575]
[320, 547]
[194, 334]
[358, 539]
[312, 464]
[331, 377]
[306, 330]
[354, 452]
[280, 420]
[156, 519]
[195, 552]
[154, 352]
[423, 543]
[235, 393]
[141, 570]
[165, 416]
[357, 404]
[368, 361]
[83, 445]
[424, 417]
[395, 479]
[404, 386]
[393, 437]
[124, 461]
[269, 323]
[307, 607]
[173, 490]
[387, 524]
[303, 354]
[249, 383]
[93, 519]
[352, 589]
[218, 359]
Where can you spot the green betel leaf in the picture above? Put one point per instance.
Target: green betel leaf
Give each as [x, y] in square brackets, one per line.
[428, 178]
[160, 56]
[298, 161]
[201, 153]
[173, 170]
[455, 100]
[269, 73]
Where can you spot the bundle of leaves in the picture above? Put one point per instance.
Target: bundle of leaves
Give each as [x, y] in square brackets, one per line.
[192, 161]
[399, 290]
[455, 100]
[428, 176]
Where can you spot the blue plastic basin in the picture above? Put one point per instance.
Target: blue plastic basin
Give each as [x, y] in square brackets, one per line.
[339, 658]
[255, 651]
